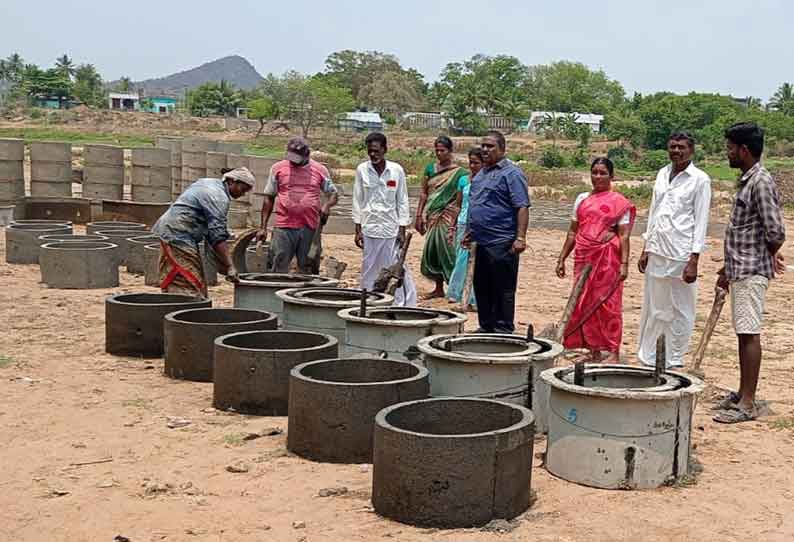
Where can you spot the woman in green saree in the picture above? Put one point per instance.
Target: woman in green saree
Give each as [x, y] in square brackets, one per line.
[436, 214]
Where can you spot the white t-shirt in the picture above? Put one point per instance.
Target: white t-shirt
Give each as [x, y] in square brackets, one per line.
[625, 219]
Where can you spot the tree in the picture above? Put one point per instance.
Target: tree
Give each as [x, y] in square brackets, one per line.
[37, 83]
[392, 92]
[625, 127]
[213, 99]
[553, 125]
[261, 109]
[88, 87]
[65, 66]
[573, 87]
[783, 99]
[124, 84]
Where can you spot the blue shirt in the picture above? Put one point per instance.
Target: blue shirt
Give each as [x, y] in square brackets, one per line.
[495, 196]
[200, 212]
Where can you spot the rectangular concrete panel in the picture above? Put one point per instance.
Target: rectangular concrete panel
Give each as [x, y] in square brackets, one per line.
[198, 145]
[151, 157]
[151, 194]
[215, 161]
[12, 150]
[103, 191]
[50, 152]
[103, 155]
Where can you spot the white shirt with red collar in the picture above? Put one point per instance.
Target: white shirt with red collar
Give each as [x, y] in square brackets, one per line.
[380, 202]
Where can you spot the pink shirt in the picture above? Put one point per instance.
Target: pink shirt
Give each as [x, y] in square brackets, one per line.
[297, 190]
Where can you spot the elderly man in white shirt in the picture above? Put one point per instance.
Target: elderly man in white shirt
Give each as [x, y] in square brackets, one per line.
[381, 213]
[674, 239]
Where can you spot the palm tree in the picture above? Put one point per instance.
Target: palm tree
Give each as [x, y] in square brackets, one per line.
[65, 65]
[783, 100]
[13, 67]
[125, 84]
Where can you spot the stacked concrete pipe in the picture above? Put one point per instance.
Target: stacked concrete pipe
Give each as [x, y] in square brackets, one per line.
[135, 258]
[190, 337]
[621, 427]
[258, 290]
[22, 240]
[493, 366]
[317, 308]
[257, 261]
[252, 369]
[79, 264]
[151, 258]
[93, 227]
[452, 462]
[333, 403]
[394, 331]
[121, 238]
[134, 322]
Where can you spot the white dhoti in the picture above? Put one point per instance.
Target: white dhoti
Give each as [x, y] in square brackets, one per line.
[380, 253]
[668, 307]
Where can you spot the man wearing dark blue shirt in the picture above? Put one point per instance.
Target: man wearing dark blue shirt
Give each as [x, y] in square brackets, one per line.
[498, 218]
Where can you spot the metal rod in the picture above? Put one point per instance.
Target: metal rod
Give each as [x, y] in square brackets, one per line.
[362, 311]
[578, 373]
[661, 357]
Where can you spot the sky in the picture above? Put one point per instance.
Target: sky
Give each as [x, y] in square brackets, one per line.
[727, 46]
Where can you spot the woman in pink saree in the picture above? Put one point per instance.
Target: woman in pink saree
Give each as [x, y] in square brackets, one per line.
[600, 228]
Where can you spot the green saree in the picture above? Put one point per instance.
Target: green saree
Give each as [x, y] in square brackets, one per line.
[438, 257]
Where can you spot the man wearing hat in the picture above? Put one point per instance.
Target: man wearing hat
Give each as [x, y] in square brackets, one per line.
[296, 184]
[199, 213]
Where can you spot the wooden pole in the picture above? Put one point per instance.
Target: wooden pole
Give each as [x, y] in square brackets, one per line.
[716, 309]
[661, 357]
[362, 311]
[573, 299]
[578, 373]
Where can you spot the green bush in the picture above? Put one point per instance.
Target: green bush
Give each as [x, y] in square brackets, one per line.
[552, 157]
[654, 160]
[641, 193]
[621, 157]
[36, 114]
[579, 158]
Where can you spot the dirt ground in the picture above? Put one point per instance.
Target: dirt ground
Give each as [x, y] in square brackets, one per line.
[86, 453]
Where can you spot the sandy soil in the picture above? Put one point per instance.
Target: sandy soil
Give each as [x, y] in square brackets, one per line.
[66, 406]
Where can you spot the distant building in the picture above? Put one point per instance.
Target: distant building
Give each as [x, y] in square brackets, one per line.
[360, 121]
[537, 118]
[425, 120]
[53, 102]
[124, 101]
[160, 104]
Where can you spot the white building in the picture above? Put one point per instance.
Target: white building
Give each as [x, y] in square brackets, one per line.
[124, 101]
[537, 118]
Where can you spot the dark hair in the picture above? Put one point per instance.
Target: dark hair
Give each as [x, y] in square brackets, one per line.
[476, 151]
[444, 140]
[499, 137]
[604, 162]
[376, 137]
[748, 134]
[678, 135]
[225, 170]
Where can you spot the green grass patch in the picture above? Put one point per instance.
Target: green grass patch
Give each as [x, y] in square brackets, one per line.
[137, 403]
[782, 424]
[64, 136]
[640, 194]
[6, 361]
[234, 440]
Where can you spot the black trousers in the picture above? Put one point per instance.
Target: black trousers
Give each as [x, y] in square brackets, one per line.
[495, 279]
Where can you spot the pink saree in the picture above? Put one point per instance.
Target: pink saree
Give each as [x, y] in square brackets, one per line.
[597, 320]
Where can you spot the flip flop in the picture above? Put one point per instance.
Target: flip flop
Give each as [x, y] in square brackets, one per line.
[727, 403]
[737, 415]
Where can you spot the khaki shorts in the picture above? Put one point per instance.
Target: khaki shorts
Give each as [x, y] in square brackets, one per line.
[747, 304]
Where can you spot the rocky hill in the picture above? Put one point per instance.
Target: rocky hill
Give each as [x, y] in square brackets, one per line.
[234, 69]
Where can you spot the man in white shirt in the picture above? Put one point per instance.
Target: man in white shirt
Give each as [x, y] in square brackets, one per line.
[674, 239]
[381, 213]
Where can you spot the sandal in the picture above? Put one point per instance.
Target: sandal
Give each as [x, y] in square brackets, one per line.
[728, 402]
[737, 415]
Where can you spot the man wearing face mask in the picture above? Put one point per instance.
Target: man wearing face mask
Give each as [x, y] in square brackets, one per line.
[381, 213]
[674, 239]
[295, 185]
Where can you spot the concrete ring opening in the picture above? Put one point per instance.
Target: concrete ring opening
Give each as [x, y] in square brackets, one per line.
[623, 428]
[335, 295]
[190, 337]
[251, 370]
[333, 404]
[134, 322]
[79, 245]
[41, 222]
[125, 234]
[93, 227]
[489, 344]
[69, 237]
[476, 459]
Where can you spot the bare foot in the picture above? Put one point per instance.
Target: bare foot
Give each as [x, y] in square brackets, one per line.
[435, 294]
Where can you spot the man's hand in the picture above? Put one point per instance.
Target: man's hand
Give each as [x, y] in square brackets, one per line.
[624, 271]
[359, 239]
[420, 225]
[780, 264]
[261, 235]
[325, 212]
[642, 264]
[690, 274]
[722, 280]
[232, 275]
[519, 246]
[401, 236]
